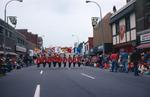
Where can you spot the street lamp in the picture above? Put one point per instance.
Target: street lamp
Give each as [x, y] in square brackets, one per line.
[6, 7]
[100, 25]
[5, 19]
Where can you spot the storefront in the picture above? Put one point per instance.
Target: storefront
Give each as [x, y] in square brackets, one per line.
[21, 50]
[144, 41]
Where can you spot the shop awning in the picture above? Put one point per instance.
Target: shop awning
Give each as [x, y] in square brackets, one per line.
[11, 53]
[8, 53]
[1, 52]
[143, 46]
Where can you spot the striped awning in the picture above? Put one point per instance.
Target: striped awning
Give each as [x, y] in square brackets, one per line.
[143, 46]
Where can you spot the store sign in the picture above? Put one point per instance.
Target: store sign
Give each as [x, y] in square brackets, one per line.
[21, 49]
[145, 38]
[8, 48]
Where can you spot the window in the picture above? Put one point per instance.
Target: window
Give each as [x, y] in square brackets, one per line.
[1, 30]
[18, 40]
[6, 33]
[148, 21]
[10, 34]
[127, 24]
[117, 27]
[23, 42]
[114, 29]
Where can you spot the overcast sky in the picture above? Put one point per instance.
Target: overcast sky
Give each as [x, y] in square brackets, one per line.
[57, 20]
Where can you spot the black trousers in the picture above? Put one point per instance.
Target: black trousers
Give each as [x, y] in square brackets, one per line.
[59, 64]
[74, 64]
[38, 65]
[136, 71]
[64, 64]
[54, 64]
[69, 65]
[79, 64]
[44, 64]
[49, 64]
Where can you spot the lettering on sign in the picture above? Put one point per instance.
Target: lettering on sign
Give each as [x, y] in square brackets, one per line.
[145, 38]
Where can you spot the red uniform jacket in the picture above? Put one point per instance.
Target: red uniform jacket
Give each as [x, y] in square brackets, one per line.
[74, 60]
[49, 60]
[54, 59]
[43, 59]
[59, 59]
[64, 59]
[38, 60]
[78, 59]
[70, 60]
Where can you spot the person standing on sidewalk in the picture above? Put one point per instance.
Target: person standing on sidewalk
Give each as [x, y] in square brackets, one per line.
[124, 60]
[135, 58]
[114, 59]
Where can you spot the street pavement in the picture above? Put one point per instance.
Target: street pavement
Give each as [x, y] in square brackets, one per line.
[74, 82]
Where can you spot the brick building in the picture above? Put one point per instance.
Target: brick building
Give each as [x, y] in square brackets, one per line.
[106, 36]
[88, 46]
[33, 40]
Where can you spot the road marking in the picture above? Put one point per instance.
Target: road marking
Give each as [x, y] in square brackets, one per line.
[37, 91]
[87, 76]
[41, 72]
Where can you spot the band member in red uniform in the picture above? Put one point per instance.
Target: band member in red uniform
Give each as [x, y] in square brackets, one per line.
[64, 61]
[38, 61]
[74, 61]
[79, 61]
[70, 61]
[59, 61]
[44, 60]
[54, 60]
[49, 61]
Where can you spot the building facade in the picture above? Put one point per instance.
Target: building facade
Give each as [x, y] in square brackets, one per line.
[143, 23]
[88, 46]
[123, 27]
[33, 40]
[131, 26]
[13, 40]
[100, 37]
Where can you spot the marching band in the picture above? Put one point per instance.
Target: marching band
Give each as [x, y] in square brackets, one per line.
[54, 60]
